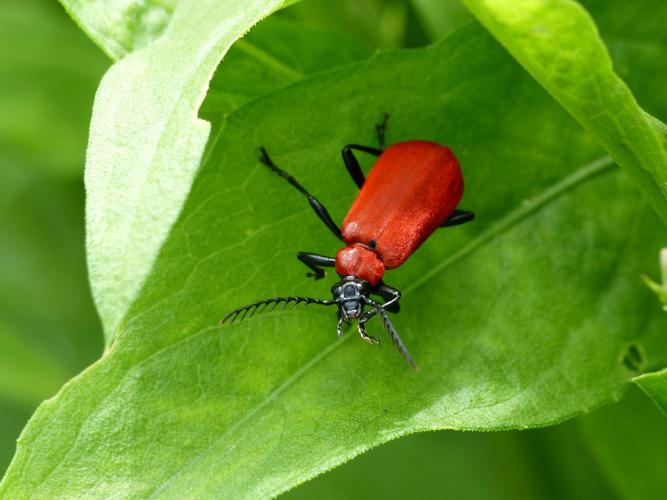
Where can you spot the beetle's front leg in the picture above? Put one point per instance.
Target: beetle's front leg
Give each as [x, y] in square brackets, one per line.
[390, 295]
[458, 217]
[339, 326]
[315, 262]
[362, 328]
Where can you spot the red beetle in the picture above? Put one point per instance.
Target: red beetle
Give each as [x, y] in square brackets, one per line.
[412, 189]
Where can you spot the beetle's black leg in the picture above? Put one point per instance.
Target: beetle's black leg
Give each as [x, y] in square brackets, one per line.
[352, 164]
[381, 128]
[458, 217]
[319, 209]
[390, 295]
[315, 262]
[361, 326]
[379, 309]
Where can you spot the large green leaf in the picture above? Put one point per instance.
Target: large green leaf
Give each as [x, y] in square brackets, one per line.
[521, 319]
[146, 142]
[558, 43]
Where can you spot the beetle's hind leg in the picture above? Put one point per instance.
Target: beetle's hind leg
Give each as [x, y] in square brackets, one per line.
[458, 217]
[351, 162]
[381, 128]
[316, 205]
[316, 262]
[390, 295]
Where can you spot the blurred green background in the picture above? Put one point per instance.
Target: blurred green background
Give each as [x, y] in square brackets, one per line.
[49, 330]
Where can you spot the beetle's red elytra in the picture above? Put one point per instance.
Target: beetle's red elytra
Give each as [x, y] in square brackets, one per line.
[412, 189]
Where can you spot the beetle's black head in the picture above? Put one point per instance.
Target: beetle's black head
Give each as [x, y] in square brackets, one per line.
[351, 294]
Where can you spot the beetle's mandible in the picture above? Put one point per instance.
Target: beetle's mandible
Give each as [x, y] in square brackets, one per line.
[412, 189]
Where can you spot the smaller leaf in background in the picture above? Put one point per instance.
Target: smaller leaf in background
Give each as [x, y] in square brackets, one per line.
[558, 43]
[628, 442]
[274, 53]
[376, 23]
[655, 386]
[441, 17]
[147, 141]
[48, 75]
[660, 289]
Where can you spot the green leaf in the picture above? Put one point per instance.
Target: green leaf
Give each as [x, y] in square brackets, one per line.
[377, 23]
[520, 319]
[628, 441]
[655, 386]
[273, 54]
[146, 144]
[558, 44]
[441, 17]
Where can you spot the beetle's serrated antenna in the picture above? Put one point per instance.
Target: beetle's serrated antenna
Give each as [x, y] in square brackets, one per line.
[256, 307]
[395, 338]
